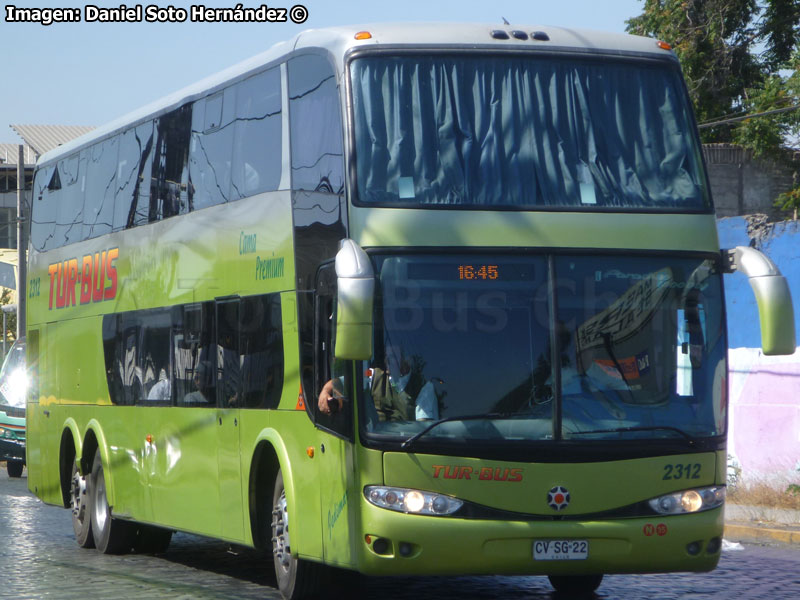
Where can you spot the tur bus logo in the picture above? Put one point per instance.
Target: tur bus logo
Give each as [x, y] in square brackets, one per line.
[93, 279]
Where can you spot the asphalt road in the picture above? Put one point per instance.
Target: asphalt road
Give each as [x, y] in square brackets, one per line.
[39, 559]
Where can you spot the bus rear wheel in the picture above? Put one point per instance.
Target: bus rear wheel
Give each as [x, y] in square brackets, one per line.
[80, 502]
[14, 468]
[297, 578]
[111, 536]
[578, 585]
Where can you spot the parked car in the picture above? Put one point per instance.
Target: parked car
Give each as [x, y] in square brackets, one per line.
[13, 387]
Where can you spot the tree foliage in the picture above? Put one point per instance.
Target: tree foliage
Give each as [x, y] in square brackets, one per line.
[11, 319]
[735, 55]
[740, 59]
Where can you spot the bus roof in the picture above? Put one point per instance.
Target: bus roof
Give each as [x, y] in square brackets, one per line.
[340, 40]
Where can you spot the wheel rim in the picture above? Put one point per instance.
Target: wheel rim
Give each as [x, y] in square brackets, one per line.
[100, 506]
[78, 495]
[280, 533]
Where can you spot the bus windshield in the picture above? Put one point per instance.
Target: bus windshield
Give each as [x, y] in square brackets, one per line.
[524, 132]
[639, 349]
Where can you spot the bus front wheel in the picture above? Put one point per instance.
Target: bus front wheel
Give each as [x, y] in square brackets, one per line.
[14, 468]
[111, 536]
[297, 578]
[80, 502]
[578, 585]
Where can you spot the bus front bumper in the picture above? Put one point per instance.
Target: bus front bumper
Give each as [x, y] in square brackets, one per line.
[393, 543]
[12, 449]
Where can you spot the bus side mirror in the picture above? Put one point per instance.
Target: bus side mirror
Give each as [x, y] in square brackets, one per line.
[355, 295]
[773, 297]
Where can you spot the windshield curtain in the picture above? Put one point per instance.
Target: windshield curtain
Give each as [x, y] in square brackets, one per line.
[524, 132]
[640, 349]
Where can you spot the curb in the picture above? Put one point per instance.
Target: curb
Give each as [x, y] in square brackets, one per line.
[760, 533]
[761, 524]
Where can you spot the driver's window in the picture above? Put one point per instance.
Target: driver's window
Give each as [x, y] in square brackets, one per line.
[326, 367]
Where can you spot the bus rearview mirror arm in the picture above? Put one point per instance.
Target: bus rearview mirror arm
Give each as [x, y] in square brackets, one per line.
[774, 300]
[355, 297]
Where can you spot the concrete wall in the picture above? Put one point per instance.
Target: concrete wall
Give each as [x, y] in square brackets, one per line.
[764, 391]
[742, 185]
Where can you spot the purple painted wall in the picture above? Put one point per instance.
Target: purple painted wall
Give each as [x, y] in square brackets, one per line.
[764, 391]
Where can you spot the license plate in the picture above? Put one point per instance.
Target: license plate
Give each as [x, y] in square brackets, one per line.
[560, 549]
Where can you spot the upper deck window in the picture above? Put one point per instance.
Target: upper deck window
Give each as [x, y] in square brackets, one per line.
[524, 132]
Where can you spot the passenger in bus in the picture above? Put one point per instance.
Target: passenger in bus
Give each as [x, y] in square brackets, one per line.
[203, 382]
[160, 391]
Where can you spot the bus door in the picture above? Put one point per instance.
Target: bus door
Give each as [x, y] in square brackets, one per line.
[338, 499]
[229, 392]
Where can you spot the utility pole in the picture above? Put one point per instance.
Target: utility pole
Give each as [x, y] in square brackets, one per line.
[22, 243]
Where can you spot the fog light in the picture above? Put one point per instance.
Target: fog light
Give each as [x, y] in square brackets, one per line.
[381, 546]
[694, 548]
[714, 545]
[405, 549]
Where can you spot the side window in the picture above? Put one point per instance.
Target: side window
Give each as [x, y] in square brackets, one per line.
[194, 357]
[100, 183]
[154, 365]
[128, 359]
[228, 353]
[316, 125]
[134, 168]
[211, 149]
[326, 367]
[44, 210]
[71, 201]
[170, 188]
[249, 352]
[228, 359]
[262, 351]
[257, 147]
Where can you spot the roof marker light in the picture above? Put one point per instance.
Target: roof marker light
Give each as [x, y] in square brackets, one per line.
[520, 35]
[663, 45]
[363, 35]
[540, 36]
[499, 34]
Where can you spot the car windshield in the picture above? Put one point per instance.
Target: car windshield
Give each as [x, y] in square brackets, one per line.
[578, 348]
[13, 376]
[525, 132]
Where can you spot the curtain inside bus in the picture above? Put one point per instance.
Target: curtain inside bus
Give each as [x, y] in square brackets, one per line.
[524, 132]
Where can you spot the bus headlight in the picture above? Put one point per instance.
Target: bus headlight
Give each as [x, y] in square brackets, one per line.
[689, 501]
[411, 501]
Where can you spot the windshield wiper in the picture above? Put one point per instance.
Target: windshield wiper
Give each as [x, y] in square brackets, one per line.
[488, 416]
[624, 429]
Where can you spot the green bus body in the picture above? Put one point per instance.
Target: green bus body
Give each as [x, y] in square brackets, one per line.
[211, 470]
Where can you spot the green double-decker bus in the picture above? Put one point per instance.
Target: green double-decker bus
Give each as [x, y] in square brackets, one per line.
[403, 299]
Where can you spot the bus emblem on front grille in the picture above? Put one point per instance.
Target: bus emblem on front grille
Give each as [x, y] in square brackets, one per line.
[558, 498]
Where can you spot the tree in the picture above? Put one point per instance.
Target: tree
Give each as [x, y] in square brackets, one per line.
[740, 59]
[11, 318]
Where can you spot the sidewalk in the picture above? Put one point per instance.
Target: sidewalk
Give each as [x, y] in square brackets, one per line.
[762, 525]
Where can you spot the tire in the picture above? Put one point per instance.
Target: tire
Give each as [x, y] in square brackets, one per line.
[151, 540]
[577, 585]
[80, 503]
[297, 578]
[14, 468]
[111, 536]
